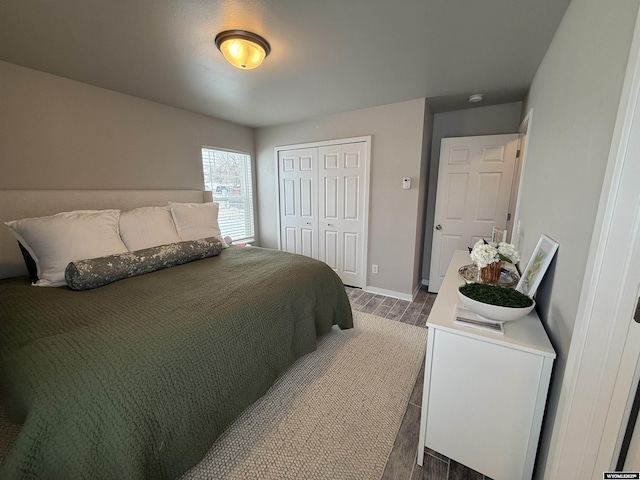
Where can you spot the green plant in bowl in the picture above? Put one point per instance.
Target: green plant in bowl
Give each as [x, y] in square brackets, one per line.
[495, 295]
[495, 303]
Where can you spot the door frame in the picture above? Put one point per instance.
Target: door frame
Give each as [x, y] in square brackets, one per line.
[598, 384]
[367, 168]
[524, 130]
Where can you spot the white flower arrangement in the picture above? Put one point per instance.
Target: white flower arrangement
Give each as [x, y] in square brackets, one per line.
[508, 252]
[485, 253]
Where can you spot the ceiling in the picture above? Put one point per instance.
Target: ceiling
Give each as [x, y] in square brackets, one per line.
[327, 56]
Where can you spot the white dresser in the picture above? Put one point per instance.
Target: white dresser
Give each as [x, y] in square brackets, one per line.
[484, 393]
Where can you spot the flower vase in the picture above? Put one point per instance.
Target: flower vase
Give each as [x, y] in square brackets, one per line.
[491, 273]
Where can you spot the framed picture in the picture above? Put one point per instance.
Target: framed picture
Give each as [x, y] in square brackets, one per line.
[498, 235]
[537, 266]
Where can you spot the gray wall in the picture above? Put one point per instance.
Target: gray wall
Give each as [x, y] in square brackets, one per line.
[425, 180]
[56, 133]
[575, 95]
[491, 120]
[396, 152]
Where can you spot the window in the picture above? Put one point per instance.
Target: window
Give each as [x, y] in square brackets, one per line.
[228, 176]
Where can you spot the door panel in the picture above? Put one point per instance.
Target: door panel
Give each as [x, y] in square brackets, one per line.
[299, 201]
[307, 161]
[459, 156]
[350, 265]
[289, 195]
[307, 242]
[330, 159]
[448, 245]
[331, 248]
[456, 195]
[307, 199]
[341, 216]
[351, 197]
[288, 162]
[331, 197]
[488, 197]
[474, 186]
[289, 240]
[493, 153]
[352, 159]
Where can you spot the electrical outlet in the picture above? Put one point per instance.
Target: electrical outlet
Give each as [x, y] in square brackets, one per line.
[374, 268]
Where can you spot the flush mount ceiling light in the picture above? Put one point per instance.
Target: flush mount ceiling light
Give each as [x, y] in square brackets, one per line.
[476, 97]
[242, 49]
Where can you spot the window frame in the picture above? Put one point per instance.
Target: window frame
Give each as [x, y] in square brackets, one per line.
[251, 201]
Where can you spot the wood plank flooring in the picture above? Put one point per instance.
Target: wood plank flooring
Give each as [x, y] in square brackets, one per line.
[402, 460]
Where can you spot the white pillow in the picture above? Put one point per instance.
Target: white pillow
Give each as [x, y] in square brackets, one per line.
[147, 227]
[196, 220]
[56, 240]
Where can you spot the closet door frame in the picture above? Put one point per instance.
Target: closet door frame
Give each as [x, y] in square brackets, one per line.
[367, 174]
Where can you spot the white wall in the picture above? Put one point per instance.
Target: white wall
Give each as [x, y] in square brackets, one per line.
[575, 95]
[491, 120]
[396, 152]
[57, 133]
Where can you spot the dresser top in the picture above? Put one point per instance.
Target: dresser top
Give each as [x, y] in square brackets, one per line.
[526, 333]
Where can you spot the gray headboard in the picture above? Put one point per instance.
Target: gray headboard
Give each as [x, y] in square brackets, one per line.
[16, 204]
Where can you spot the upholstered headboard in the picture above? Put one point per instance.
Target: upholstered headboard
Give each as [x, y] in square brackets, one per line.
[16, 204]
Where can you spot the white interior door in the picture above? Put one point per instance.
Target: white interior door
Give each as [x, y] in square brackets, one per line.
[299, 201]
[341, 226]
[474, 185]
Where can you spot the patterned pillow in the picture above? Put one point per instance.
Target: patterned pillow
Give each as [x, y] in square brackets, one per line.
[96, 272]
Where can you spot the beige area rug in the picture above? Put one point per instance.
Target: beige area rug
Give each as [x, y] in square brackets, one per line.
[333, 415]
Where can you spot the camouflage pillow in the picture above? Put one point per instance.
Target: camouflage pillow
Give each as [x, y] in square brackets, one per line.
[96, 272]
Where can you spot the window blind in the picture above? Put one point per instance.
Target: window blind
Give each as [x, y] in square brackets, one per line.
[228, 176]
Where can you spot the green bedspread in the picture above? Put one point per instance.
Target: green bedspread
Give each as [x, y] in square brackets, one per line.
[137, 379]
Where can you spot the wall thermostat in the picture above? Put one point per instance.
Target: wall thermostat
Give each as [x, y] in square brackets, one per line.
[406, 183]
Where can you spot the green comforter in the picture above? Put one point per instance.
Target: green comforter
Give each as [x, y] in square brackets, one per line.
[137, 379]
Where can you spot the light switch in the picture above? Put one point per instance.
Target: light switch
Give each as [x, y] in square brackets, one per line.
[406, 183]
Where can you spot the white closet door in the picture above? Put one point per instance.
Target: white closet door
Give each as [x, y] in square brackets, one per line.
[299, 201]
[341, 225]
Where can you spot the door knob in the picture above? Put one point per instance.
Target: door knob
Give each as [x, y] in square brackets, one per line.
[329, 224]
[438, 227]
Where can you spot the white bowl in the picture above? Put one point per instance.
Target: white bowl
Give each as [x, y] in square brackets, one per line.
[494, 313]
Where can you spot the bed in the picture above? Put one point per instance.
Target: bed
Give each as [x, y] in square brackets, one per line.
[137, 378]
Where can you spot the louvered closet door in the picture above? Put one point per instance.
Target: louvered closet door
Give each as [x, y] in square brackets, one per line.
[299, 201]
[341, 181]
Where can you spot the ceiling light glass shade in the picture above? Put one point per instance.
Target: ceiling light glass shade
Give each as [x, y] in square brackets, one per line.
[242, 49]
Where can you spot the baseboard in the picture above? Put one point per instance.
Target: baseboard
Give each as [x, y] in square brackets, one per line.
[391, 293]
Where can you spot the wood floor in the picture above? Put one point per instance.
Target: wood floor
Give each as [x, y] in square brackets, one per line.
[402, 460]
